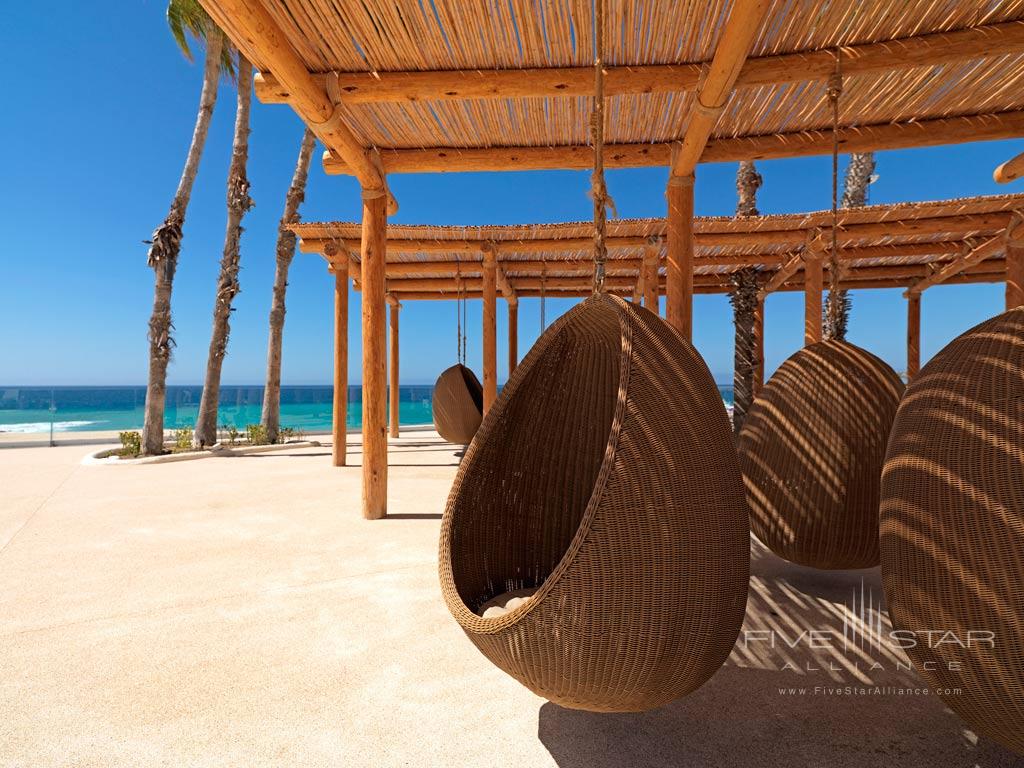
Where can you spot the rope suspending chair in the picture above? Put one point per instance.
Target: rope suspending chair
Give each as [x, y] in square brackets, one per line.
[952, 525]
[595, 545]
[812, 445]
[458, 400]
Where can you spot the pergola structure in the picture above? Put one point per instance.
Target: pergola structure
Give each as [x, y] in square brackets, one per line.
[399, 86]
[911, 246]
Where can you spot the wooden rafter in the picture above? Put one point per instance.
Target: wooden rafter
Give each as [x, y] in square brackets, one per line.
[848, 233]
[704, 286]
[1011, 170]
[446, 85]
[861, 138]
[745, 19]
[309, 97]
[585, 265]
[971, 257]
[522, 285]
[784, 273]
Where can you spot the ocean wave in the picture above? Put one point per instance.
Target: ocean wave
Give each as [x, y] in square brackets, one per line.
[44, 426]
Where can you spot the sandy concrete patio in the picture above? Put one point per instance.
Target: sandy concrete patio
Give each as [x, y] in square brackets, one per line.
[238, 612]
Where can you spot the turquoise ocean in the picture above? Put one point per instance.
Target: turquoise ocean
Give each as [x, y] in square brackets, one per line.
[83, 409]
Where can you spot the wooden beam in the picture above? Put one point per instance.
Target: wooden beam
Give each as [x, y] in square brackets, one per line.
[679, 255]
[490, 331]
[782, 274]
[443, 85]
[253, 23]
[339, 425]
[988, 248]
[650, 278]
[913, 335]
[742, 26]
[997, 275]
[942, 223]
[1011, 170]
[513, 334]
[579, 265]
[579, 248]
[502, 282]
[1015, 263]
[789, 276]
[813, 260]
[393, 402]
[862, 138]
[375, 442]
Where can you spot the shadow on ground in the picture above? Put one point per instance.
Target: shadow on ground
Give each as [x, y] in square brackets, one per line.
[774, 703]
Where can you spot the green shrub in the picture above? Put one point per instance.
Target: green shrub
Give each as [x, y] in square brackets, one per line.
[231, 433]
[183, 439]
[284, 434]
[256, 434]
[131, 444]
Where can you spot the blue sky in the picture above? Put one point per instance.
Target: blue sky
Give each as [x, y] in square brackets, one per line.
[99, 110]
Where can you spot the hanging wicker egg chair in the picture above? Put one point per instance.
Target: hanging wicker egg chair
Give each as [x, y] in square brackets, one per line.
[602, 487]
[811, 451]
[458, 404]
[952, 525]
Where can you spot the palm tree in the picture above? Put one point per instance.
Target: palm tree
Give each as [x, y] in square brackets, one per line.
[859, 174]
[743, 297]
[285, 252]
[186, 18]
[227, 281]
[748, 181]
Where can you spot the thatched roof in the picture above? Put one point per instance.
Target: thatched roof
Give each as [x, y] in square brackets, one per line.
[431, 80]
[879, 245]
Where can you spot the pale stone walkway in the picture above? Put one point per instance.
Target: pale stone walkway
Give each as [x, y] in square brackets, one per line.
[238, 612]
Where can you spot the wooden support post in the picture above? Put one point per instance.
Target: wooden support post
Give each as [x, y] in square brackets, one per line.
[339, 427]
[393, 308]
[913, 335]
[490, 330]
[812, 297]
[758, 379]
[650, 272]
[375, 441]
[1015, 263]
[679, 264]
[638, 288]
[513, 334]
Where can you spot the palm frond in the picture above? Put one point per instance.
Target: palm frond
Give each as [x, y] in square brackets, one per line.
[188, 19]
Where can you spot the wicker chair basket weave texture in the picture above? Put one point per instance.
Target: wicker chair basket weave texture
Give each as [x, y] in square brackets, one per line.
[605, 476]
[952, 525]
[811, 450]
[457, 404]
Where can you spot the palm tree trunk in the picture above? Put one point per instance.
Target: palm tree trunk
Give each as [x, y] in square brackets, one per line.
[163, 255]
[743, 298]
[227, 282]
[285, 253]
[859, 175]
[748, 181]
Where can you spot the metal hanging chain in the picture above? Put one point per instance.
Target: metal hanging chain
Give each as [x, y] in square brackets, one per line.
[834, 90]
[598, 190]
